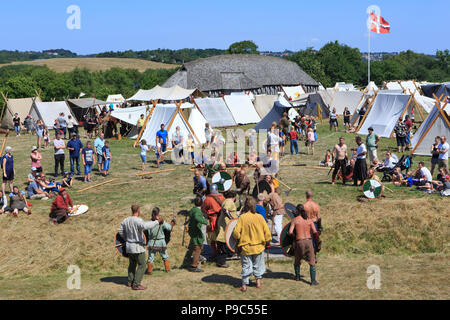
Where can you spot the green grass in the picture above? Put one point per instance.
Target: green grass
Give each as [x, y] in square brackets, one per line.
[407, 225]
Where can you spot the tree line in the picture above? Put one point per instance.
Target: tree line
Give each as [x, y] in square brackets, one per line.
[336, 62]
[22, 81]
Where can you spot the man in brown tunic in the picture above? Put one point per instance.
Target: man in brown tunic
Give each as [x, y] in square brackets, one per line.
[303, 247]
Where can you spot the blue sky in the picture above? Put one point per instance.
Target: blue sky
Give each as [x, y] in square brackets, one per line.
[273, 25]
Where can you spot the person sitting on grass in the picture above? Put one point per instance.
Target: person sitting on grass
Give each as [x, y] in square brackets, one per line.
[328, 160]
[371, 175]
[35, 191]
[32, 175]
[61, 206]
[18, 202]
[106, 152]
[4, 203]
[87, 155]
[67, 180]
[157, 242]
[399, 179]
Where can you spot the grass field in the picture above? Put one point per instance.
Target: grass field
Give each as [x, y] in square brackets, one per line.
[95, 64]
[406, 234]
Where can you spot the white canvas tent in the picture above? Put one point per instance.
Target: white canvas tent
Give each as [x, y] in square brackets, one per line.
[216, 112]
[383, 114]
[293, 93]
[48, 112]
[131, 115]
[263, 103]
[242, 109]
[436, 124]
[343, 99]
[160, 93]
[115, 99]
[20, 106]
[371, 88]
[240, 93]
[172, 116]
[410, 87]
[342, 86]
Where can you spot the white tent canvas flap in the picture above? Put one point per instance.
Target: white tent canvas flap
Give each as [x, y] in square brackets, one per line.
[160, 93]
[197, 122]
[384, 114]
[294, 93]
[115, 98]
[434, 125]
[131, 115]
[242, 109]
[344, 99]
[20, 106]
[48, 112]
[263, 104]
[216, 112]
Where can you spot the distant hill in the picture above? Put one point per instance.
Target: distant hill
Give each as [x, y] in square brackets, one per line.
[95, 64]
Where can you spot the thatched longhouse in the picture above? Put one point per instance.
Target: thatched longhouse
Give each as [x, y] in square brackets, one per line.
[238, 72]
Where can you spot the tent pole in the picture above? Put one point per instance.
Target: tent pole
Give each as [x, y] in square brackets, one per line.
[145, 123]
[429, 128]
[368, 65]
[5, 105]
[403, 114]
[365, 114]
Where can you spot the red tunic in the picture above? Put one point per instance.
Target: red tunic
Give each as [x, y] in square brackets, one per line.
[212, 208]
[61, 203]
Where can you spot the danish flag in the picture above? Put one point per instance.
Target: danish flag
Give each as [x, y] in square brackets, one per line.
[378, 24]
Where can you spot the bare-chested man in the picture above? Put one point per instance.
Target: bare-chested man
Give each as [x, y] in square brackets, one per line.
[313, 212]
[303, 246]
[340, 154]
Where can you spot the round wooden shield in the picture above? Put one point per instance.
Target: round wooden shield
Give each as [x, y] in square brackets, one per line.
[120, 244]
[286, 241]
[230, 241]
[372, 188]
[290, 209]
[223, 180]
[78, 210]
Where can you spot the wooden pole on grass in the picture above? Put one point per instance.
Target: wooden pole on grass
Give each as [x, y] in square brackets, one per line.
[152, 172]
[96, 185]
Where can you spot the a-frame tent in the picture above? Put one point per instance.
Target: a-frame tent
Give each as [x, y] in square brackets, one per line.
[316, 107]
[48, 112]
[20, 106]
[171, 115]
[436, 124]
[384, 112]
[81, 107]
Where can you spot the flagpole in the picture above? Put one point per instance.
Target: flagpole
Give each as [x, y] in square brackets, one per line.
[368, 66]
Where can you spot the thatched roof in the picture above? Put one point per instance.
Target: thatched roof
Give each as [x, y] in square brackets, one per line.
[239, 72]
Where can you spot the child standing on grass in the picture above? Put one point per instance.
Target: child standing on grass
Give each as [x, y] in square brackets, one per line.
[106, 158]
[158, 153]
[191, 146]
[46, 138]
[144, 149]
[311, 139]
[87, 155]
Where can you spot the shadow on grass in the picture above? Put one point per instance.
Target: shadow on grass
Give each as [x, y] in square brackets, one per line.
[223, 279]
[282, 275]
[117, 280]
